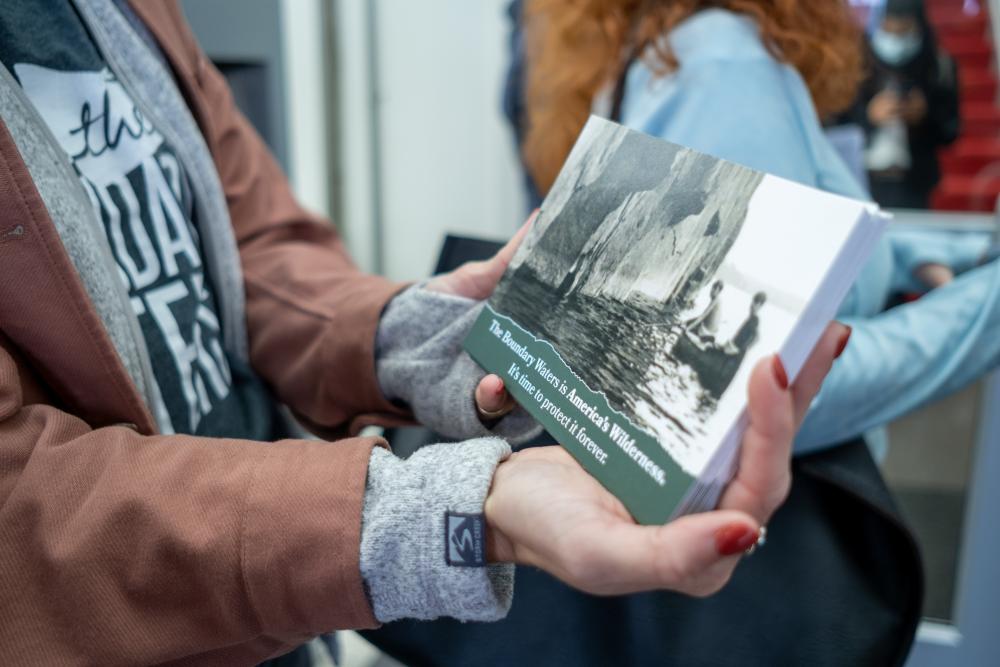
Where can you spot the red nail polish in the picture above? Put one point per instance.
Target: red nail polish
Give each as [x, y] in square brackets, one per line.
[734, 538]
[843, 342]
[779, 373]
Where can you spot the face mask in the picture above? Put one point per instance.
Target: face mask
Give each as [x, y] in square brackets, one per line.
[896, 49]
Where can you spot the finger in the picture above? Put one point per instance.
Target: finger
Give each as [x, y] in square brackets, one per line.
[693, 554]
[763, 476]
[492, 397]
[704, 549]
[831, 344]
[499, 262]
[478, 279]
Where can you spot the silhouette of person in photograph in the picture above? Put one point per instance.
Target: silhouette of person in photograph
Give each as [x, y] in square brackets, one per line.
[747, 334]
[717, 364]
[705, 326]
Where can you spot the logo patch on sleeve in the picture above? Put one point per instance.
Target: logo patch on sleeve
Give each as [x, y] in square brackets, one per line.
[465, 539]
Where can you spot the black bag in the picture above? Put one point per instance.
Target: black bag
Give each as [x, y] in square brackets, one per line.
[839, 582]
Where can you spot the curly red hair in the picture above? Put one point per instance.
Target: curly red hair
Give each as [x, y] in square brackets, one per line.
[575, 47]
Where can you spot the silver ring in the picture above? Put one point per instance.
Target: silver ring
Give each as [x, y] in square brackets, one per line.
[761, 541]
[494, 414]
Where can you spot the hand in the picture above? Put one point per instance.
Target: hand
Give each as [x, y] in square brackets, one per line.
[884, 107]
[914, 108]
[477, 280]
[545, 510]
[933, 275]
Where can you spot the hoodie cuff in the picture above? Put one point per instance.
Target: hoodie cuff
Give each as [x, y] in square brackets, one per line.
[419, 360]
[423, 536]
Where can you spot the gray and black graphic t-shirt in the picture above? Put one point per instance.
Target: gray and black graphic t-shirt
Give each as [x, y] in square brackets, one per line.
[141, 194]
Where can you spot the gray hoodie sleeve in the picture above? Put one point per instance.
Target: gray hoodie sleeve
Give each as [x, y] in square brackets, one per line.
[423, 535]
[419, 360]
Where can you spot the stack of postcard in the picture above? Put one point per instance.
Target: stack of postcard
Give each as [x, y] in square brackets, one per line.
[652, 281]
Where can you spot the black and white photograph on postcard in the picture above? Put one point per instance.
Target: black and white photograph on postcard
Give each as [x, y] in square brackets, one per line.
[643, 270]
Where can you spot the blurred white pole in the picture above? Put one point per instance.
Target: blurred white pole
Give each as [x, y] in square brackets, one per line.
[353, 35]
[305, 102]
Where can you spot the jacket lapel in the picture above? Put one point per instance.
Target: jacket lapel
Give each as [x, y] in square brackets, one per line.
[45, 310]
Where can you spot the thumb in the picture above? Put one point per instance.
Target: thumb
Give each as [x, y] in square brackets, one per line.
[700, 551]
[694, 554]
[498, 263]
[478, 279]
[492, 398]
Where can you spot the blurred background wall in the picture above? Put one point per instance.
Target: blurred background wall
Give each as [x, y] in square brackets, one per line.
[445, 156]
[385, 113]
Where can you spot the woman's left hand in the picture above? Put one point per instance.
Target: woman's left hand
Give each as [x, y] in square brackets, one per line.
[545, 510]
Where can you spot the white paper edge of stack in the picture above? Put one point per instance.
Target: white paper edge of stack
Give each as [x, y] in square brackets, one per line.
[706, 491]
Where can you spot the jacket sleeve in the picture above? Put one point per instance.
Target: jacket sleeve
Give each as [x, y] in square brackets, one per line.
[911, 248]
[887, 371]
[311, 313]
[120, 548]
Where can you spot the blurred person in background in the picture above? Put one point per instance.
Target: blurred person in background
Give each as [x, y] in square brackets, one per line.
[747, 81]
[908, 105]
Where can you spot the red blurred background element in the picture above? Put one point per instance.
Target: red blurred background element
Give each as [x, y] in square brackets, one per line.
[970, 167]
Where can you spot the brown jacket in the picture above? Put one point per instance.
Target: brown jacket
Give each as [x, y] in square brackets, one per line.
[121, 546]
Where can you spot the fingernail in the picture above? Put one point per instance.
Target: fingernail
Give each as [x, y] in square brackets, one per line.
[734, 538]
[779, 373]
[843, 342]
[498, 391]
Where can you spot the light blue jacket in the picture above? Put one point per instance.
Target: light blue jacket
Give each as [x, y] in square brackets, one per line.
[730, 98]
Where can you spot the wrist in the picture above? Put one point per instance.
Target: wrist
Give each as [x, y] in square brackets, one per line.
[499, 547]
[423, 536]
